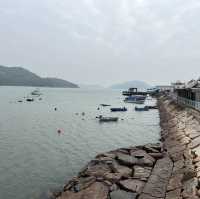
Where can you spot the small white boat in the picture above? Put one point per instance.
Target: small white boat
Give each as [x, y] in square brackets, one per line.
[36, 92]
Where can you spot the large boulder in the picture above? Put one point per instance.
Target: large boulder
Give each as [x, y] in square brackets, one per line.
[97, 190]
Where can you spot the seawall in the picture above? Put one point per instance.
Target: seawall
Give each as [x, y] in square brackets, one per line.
[166, 170]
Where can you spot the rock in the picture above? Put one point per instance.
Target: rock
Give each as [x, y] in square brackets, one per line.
[148, 196]
[195, 143]
[156, 155]
[97, 170]
[123, 170]
[143, 158]
[176, 194]
[132, 185]
[189, 188]
[95, 191]
[157, 183]
[113, 177]
[109, 154]
[175, 182]
[126, 159]
[142, 172]
[79, 184]
[114, 187]
[153, 148]
[119, 194]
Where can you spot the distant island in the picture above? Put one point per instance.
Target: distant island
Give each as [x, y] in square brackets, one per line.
[18, 76]
[130, 84]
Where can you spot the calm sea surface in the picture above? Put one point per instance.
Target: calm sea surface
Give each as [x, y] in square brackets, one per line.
[34, 158]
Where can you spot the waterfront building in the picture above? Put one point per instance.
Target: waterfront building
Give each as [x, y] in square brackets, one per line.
[189, 94]
[165, 88]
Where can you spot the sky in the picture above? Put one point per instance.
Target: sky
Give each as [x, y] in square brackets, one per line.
[103, 41]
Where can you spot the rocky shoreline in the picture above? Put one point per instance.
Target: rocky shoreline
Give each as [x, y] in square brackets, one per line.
[166, 170]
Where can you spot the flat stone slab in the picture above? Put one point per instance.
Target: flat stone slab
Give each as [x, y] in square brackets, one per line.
[141, 172]
[157, 184]
[123, 170]
[175, 182]
[120, 194]
[176, 194]
[132, 185]
[195, 143]
[126, 160]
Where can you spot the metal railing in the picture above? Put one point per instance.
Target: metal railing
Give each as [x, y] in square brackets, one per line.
[190, 103]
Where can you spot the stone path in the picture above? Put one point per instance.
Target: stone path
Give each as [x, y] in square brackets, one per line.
[167, 170]
[181, 137]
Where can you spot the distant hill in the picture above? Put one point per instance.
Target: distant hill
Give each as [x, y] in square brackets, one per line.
[18, 76]
[130, 84]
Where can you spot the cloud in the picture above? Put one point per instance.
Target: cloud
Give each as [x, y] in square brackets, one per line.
[118, 36]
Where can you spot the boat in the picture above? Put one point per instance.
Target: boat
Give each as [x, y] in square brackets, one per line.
[134, 91]
[118, 109]
[145, 108]
[138, 99]
[152, 107]
[105, 105]
[107, 119]
[29, 99]
[36, 92]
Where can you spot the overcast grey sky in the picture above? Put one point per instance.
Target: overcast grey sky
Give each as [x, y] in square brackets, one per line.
[102, 41]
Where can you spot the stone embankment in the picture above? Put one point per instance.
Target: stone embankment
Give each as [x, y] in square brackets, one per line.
[167, 170]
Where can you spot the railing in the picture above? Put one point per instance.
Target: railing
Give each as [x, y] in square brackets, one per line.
[190, 103]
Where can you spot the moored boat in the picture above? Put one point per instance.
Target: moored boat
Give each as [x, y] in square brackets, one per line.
[145, 108]
[105, 105]
[36, 92]
[138, 99]
[119, 109]
[107, 119]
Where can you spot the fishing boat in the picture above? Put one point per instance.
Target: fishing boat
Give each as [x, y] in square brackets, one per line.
[119, 109]
[29, 99]
[138, 99]
[145, 108]
[36, 92]
[152, 107]
[105, 105]
[107, 119]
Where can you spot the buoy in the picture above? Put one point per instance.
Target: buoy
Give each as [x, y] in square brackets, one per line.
[59, 131]
[55, 109]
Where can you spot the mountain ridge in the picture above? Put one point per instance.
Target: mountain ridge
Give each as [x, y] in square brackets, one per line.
[19, 76]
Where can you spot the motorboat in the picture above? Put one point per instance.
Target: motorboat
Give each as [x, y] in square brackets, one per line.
[36, 92]
[29, 99]
[107, 119]
[105, 105]
[119, 109]
[145, 108]
[138, 99]
[152, 107]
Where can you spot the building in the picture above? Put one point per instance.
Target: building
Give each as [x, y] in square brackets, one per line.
[165, 88]
[189, 94]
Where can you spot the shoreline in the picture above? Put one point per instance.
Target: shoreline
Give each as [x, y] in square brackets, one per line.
[165, 170]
